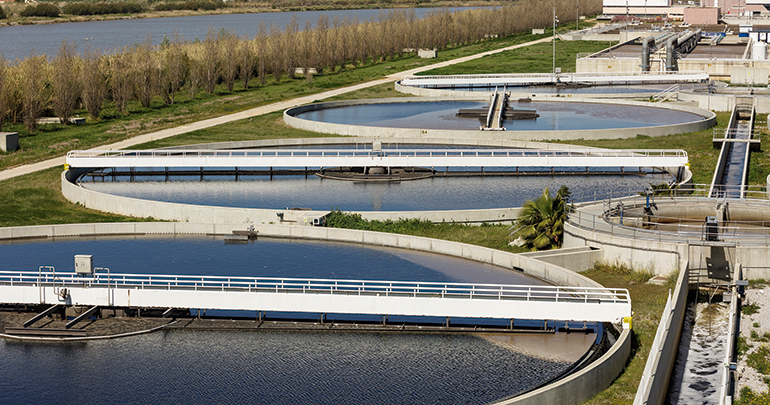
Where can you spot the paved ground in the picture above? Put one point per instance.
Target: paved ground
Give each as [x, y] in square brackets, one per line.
[279, 106]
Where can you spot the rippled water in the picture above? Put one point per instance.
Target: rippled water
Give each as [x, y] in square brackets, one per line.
[269, 367]
[553, 116]
[438, 193]
[265, 366]
[699, 364]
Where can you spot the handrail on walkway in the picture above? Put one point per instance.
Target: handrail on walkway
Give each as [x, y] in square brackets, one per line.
[315, 286]
[290, 153]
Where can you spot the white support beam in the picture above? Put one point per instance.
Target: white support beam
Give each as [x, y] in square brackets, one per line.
[288, 158]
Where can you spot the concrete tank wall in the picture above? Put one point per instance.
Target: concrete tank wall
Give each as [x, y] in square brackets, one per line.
[581, 386]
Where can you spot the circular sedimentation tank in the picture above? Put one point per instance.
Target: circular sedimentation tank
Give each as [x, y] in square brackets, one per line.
[297, 366]
[432, 189]
[556, 120]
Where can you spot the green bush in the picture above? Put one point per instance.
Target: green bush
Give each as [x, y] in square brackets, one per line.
[41, 10]
[750, 309]
[85, 8]
[2, 13]
[191, 5]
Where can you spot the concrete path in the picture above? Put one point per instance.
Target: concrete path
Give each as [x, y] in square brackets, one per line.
[279, 106]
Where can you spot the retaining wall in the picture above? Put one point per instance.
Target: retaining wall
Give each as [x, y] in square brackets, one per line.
[660, 362]
[724, 102]
[290, 119]
[584, 384]
[660, 258]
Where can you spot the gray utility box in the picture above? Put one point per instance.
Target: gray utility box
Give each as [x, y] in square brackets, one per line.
[712, 229]
[9, 141]
[84, 265]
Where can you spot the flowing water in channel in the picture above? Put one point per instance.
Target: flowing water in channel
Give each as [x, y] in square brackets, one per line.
[699, 364]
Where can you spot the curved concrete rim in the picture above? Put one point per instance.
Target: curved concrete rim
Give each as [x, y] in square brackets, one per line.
[594, 378]
[452, 94]
[290, 118]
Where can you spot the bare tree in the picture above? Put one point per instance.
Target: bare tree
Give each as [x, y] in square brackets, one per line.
[35, 89]
[288, 47]
[210, 61]
[228, 56]
[66, 84]
[261, 53]
[247, 61]
[195, 78]
[146, 77]
[274, 52]
[121, 81]
[93, 82]
[174, 70]
[4, 79]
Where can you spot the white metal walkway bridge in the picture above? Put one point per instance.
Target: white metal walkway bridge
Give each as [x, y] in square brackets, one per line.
[461, 300]
[292, 158]
[533, 79]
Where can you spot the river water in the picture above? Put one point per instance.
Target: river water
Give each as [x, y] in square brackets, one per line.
[273, 367]
[16, 42]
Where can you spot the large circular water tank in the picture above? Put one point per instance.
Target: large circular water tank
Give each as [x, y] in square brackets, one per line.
[759, 51]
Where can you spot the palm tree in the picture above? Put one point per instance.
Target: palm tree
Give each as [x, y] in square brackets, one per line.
[540, 225]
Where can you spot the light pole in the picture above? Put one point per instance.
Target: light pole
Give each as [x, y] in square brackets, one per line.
[577, 17]
[553, 40]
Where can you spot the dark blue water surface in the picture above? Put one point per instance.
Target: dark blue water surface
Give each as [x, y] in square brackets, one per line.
[16, 42]
[553, 116]
[266, 367]
[437, 193]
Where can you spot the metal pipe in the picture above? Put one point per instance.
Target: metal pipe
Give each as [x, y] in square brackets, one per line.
[670, 67]
[646, 52]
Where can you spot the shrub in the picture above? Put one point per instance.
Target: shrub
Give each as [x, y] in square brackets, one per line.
[191, 5]
[2, 13]
[41, 10]
[84, 8]
[750, 309]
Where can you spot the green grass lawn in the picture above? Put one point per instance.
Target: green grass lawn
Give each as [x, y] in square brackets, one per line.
[537, 58]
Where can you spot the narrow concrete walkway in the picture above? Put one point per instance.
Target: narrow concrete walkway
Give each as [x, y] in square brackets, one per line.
[265, 109]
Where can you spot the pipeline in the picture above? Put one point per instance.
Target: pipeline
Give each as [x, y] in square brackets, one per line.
[646, 52]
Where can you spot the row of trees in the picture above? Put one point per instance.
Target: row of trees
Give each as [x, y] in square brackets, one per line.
[144, 72]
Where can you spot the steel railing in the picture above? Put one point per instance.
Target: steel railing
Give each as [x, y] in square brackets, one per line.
[317, 286]
[624, 217]
[547, 75]
[300, 153]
